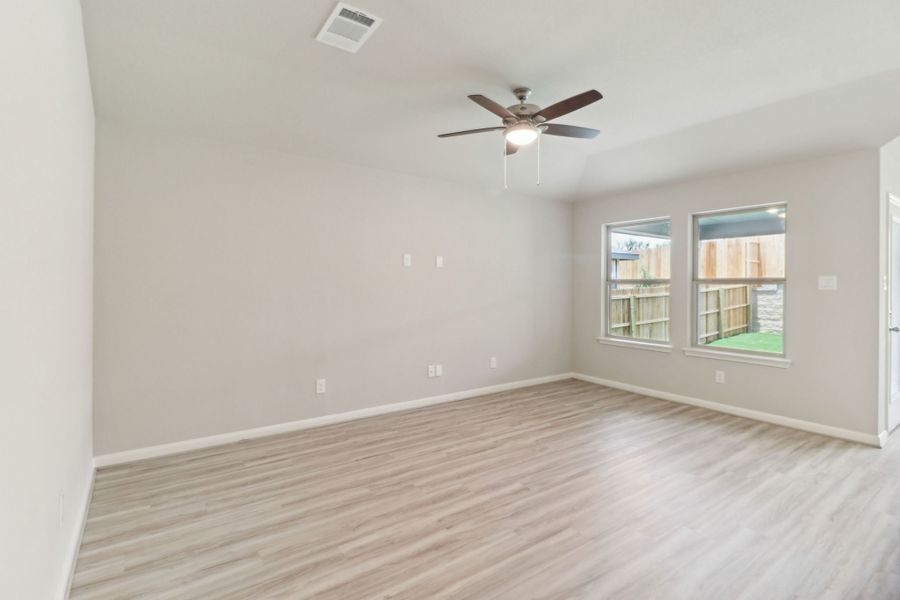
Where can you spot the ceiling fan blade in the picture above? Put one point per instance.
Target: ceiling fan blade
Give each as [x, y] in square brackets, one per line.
[511, 148]
[569, 105]
[469, 131]
[500, 111]
[570, 131]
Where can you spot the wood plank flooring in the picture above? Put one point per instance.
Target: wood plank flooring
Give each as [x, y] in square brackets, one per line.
[563, 490]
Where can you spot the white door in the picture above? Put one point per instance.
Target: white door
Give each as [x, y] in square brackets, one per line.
[894, 314]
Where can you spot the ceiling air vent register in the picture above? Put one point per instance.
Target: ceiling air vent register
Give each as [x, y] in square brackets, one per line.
[348, 28]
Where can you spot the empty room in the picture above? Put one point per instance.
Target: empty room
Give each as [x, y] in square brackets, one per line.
[461, 300]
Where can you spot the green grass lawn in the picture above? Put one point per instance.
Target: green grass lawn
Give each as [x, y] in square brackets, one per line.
[758, 342]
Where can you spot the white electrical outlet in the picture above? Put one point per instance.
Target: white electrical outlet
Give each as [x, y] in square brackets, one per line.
[493, 362]
[431, 370]
[320, 386]
[439, 261]
[407, 260]
[439, 370]
[720, 376]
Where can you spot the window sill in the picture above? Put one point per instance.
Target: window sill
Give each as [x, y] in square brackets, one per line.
[750, 359]
[635, 344]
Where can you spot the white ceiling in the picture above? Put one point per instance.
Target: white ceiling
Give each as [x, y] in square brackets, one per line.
[689, 86]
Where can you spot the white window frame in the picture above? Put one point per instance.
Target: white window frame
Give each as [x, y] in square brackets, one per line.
[605, 336]
[696, 349]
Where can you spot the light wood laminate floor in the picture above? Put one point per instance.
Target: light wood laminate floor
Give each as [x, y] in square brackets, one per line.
[563, 490]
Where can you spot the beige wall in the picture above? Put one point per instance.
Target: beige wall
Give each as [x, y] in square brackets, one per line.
[46, 199]
[830, 336]
[229, 279]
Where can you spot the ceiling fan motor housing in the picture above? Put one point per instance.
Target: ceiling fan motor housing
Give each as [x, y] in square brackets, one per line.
[524, 110]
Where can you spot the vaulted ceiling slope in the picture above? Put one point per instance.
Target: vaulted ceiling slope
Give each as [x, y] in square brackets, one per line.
[689, 86]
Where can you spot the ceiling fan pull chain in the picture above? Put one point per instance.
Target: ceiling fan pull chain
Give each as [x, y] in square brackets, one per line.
[539, 160]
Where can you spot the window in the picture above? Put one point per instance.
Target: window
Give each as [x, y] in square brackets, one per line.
[739, 280]
[637, 280]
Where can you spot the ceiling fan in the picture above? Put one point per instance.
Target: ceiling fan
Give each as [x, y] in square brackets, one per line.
[523, 122]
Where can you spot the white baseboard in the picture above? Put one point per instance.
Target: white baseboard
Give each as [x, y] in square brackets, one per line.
[882, 439]
[75, 543]
[757, 415]
[118, 458]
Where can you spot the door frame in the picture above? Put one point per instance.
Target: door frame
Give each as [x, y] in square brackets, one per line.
[890, 199]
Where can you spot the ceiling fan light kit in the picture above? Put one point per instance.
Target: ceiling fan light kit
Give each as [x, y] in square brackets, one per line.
[522, 134]
[523, 123]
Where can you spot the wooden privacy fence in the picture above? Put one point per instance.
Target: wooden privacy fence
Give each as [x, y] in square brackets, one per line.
[640, 312]
[736, 258]
[652, 262]
[643, 312]
[724, 311]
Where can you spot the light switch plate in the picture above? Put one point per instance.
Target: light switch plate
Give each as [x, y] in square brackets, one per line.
[439, 261]
[828, 282]
[407, 260]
